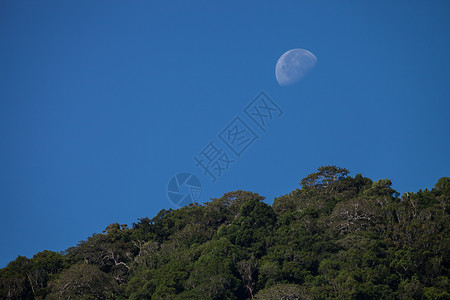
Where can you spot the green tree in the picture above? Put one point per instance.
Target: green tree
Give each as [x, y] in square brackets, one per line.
[213, 274]
[325, 176]
[336, 237]
[83, 281]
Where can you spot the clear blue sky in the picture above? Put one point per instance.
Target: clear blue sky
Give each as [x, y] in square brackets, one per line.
[102, 102]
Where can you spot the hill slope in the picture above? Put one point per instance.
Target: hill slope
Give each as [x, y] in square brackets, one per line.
[336, 237]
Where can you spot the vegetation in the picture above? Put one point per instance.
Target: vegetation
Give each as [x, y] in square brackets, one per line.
[335, 237]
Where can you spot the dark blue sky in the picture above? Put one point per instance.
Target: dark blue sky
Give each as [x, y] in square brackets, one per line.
[102, 102]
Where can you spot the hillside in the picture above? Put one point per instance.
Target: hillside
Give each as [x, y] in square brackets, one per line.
[336, 236]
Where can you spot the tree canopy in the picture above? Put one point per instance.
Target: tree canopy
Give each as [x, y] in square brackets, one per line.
[336, 236]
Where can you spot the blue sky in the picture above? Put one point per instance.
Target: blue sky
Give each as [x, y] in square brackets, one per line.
[102, 102]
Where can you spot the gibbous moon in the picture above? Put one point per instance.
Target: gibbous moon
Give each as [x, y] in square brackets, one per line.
[293, 65]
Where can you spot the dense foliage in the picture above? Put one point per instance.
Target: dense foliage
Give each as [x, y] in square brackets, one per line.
[335, 237]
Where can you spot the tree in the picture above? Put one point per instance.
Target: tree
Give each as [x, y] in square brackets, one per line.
[44, 265]
[336, 237]
[324, 177]
[213, 274]
[248, 271]
[83, 281]
[354, 215]
[251, 226]
[14, 282]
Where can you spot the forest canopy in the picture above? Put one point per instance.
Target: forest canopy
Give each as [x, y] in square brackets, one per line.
[336, 236]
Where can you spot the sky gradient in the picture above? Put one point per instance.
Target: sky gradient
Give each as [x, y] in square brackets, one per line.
[102, 102]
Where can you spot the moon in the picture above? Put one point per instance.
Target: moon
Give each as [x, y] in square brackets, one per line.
[293, 65]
